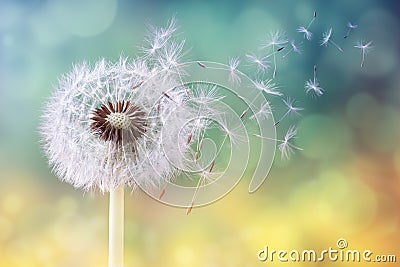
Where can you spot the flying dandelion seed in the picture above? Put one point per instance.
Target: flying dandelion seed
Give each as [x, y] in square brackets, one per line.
[293, 48]
[233, 65]
[312, 85]
[268, 87]
[158, 37]
[291, 109]
[365, 49]
[206, 177]
[327, 38]
[261, 63]
[351, 27]
[285, 147]
[274, 40]
[264, 112]
[305, 30]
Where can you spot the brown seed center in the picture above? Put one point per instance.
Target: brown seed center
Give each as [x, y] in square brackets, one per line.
[119, 122]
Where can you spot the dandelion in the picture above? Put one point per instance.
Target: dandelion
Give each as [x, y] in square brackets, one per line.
[365, 49]
[261, 62]
[351, 27]
[291, 109]
[326, 38]
[312, 85]
[113, 125]
[294, 48]
[276, 38]
[233, 65]
[305, 30]
[99, 133]
[140, 123]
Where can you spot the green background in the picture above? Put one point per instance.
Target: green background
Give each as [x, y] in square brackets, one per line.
[344, 184]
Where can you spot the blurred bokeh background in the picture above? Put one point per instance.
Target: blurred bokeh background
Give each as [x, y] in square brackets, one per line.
[344, 184]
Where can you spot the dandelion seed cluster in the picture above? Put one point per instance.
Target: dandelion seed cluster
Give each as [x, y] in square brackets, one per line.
[277, 45]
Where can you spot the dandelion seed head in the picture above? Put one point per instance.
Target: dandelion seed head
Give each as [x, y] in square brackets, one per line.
[118, 122]
[123, 124]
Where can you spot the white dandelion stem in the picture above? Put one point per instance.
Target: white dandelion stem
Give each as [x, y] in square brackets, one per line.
[284, 116]
[363, 58]
[116, 228]
[311, 22]
[274, 74]
[189, 209]
[288, 52]
[336, 45]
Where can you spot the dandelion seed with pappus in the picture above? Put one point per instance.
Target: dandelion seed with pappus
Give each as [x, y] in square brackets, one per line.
[263, 113]
[326, 38]
[268, 87]
[233, 65]
[276, 38]
[305, 30]
[293, 48]
[291, 109]
[312, 85]
[261, 63]
[365, 49]
[285, 147]
[351, 27]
